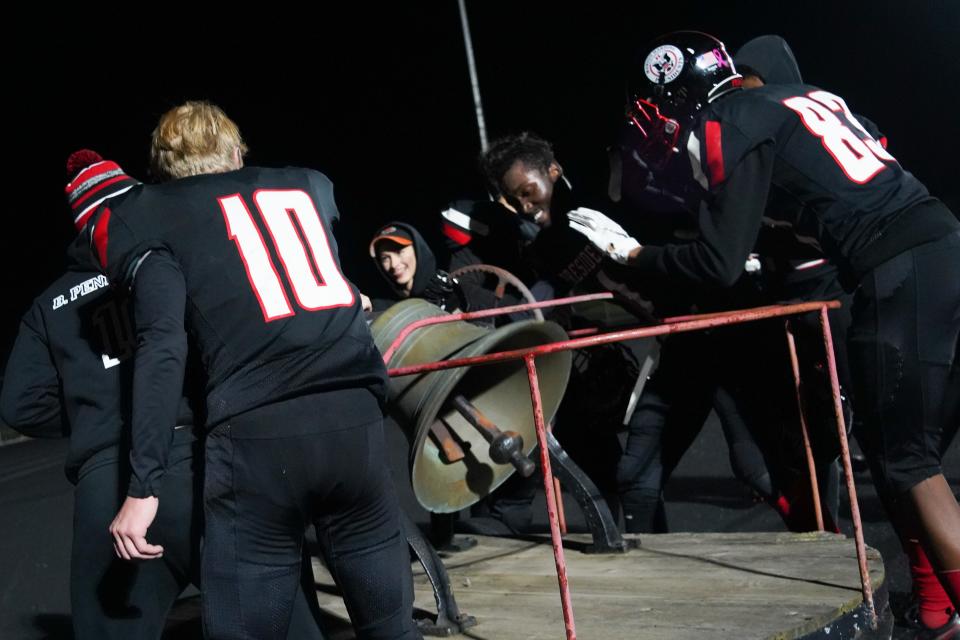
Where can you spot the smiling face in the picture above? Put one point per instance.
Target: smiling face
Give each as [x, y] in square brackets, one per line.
[529, 190]
[399, 263]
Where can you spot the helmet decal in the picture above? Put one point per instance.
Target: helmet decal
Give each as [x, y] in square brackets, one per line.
[712, 60]
[663, 64]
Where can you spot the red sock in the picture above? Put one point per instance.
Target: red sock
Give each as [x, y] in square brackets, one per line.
[782, 506]
[950, 581]
[933, 600]
[798, 513]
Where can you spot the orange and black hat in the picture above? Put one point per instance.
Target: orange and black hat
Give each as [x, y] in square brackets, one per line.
[392, 233]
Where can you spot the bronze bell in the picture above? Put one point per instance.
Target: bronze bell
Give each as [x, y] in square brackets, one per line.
[450, 458]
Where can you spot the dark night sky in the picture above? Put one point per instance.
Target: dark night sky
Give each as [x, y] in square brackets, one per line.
[380, 101]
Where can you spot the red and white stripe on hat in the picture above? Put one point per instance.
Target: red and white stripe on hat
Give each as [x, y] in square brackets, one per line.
[92, 186]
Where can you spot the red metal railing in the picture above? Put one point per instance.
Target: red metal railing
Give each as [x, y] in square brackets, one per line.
[808, 450]
[486, 313]
[552, 499]
[709, 321]
[676, 324]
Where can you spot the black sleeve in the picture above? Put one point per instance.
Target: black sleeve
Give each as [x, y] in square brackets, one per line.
[115, 246]
[159, 301]
[30, 399]
[462, 256]
[323, 194]
[728, 223]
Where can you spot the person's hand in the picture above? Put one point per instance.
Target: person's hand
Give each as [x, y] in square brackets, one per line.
[365, 303]
[129, 529]
[441, 290]
[604, 233]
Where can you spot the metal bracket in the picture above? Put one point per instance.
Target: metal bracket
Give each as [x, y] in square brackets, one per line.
[603, 528]
[450, 620]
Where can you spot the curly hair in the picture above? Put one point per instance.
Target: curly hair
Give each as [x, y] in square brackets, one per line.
[529, 148]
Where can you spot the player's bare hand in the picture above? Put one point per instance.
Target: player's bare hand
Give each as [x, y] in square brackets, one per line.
[129, 529]
[365, 303]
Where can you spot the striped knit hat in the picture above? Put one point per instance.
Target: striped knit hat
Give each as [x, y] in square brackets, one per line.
[93, 181]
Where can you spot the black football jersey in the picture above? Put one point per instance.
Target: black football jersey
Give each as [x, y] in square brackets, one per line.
[794, 153]
[267, 306]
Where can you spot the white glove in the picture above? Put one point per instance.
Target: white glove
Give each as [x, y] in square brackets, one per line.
[604, 233]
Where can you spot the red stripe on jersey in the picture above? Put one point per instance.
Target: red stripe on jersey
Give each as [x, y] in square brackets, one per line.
[100, 236]
[97, 189]
[883, 141]
[457, 235]
[714, 153]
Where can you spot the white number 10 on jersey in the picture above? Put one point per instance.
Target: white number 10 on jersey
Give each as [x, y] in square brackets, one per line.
[298, 236]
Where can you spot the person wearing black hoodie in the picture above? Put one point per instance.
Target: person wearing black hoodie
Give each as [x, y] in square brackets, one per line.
[75, 343]
[408, 265]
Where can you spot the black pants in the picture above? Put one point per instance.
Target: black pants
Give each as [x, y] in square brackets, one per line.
[113, 598]
[736, 371]
[903, 352]
[270, 473]
[669, 414]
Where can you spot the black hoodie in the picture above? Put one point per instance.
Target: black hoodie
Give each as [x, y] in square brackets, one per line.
[771, 58]
[422, 277]
[70, 370]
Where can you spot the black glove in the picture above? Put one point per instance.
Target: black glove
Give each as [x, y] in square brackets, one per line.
[444, 291]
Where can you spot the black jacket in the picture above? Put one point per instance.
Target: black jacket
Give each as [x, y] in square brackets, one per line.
[70, 371]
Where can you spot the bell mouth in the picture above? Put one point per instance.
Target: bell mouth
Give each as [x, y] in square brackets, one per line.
[448, 483]
[502, 392]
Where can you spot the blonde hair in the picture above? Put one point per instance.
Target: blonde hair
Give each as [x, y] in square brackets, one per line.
[194, 138]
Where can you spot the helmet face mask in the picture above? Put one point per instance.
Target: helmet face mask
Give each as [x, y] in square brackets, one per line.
[679, 74]
[658, 135]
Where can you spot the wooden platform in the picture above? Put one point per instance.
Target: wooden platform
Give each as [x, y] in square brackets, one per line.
[674, 586]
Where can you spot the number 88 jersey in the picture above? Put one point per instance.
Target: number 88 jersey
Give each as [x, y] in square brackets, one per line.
[828, 172]
[268, 307]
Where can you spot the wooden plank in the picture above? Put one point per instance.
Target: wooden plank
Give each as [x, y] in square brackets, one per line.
[742, 585]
